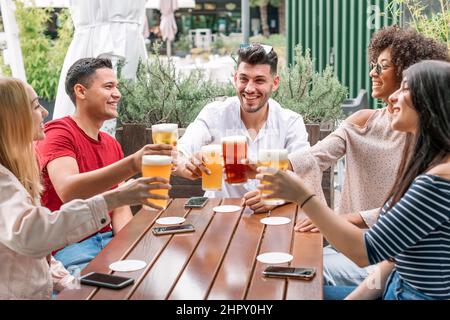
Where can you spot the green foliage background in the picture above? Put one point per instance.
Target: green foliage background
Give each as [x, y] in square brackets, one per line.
[43, 57]
[317, 96]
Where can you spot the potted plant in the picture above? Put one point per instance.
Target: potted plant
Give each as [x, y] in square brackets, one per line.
[159, 94]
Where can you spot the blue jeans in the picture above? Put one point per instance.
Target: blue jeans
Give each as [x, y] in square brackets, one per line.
[81, 253]
[398, 289]
[338, 270]
[336, 292]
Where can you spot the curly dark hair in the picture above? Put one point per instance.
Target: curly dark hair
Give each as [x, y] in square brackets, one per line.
[407, 47]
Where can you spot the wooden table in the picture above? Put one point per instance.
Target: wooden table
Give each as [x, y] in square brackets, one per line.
[217, 261]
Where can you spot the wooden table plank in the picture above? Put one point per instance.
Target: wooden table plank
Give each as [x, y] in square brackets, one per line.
[275, 239]
[237, 268]
[148, 249]
[198, 276]
[117, 249]
[218, 261]
[166, 270]
[307, 256]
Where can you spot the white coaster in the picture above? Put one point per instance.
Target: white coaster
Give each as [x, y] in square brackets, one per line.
[227, 208]
[170, 220]
[275, 221]
[274, 257]
[127, 265]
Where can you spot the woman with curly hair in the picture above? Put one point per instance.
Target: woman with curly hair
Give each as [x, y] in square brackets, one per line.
[372, 149]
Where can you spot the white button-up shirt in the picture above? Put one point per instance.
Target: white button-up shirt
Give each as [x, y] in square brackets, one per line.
[284, 129]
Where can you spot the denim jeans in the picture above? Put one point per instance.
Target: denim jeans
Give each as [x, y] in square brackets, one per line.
[81, 253]
[398, 289]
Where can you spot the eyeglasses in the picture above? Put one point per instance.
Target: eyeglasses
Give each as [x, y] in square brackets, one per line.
[268, 49]
[378, 68]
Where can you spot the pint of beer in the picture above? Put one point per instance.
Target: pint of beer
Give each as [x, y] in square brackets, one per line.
[212, 155]
[234, 150]
[165, 133]
[157, 166]
[276, 159]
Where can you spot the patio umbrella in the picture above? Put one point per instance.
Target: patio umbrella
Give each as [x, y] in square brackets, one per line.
[168, 25]
[103, 28]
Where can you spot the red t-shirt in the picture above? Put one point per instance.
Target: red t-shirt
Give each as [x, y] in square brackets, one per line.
[63, 138]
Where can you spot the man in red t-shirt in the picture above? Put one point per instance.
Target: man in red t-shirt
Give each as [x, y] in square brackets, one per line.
[79, 161]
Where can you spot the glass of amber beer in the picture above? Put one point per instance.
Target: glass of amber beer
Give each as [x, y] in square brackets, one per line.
[276, 159]
[234, 150]
[165, 133]
[212, 156]
[157, 166]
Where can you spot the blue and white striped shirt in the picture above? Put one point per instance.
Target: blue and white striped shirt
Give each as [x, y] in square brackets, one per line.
[416, 233]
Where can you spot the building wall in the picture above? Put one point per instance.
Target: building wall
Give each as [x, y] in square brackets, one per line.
[338, 33]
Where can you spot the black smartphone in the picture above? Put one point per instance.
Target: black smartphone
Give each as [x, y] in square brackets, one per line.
[299, 273]
[173, 229]
[105, 280]
[196, 202]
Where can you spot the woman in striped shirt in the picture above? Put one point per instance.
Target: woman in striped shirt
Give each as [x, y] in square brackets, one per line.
[412, 235]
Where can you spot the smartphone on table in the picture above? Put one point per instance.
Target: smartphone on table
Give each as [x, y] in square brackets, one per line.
[106, 280]
[173, 229]
[196, 202]
[291, 272]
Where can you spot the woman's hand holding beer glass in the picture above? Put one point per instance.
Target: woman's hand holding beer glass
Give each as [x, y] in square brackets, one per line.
[252, 199]
[157, 166]
[286, 185]
[137, 191]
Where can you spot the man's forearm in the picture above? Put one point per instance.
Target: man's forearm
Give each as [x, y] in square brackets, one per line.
[87, 184]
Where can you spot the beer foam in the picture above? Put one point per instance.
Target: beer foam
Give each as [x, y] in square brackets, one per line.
[216, 148]
[234, 139]
[165, 127]
[156, 160]
[268, 155]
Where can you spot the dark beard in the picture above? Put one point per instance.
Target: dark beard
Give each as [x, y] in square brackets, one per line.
[262, 105]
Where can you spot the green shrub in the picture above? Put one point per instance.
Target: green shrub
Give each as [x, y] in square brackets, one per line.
[43, 57]
[160, 95]
[435, 25]
[316, 96]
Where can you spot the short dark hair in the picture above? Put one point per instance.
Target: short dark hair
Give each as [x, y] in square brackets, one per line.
[81, 73]
[256, 54]
[407, 46]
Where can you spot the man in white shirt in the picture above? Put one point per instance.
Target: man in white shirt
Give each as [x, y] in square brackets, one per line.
[252, 114]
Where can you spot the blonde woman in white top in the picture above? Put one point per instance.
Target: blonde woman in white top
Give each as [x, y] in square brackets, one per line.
[29, 232]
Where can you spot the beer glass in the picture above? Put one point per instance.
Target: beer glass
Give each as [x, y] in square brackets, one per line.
[212, 155]
[234, 150]
[157, 166]
[276, 159]
[165, 133]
